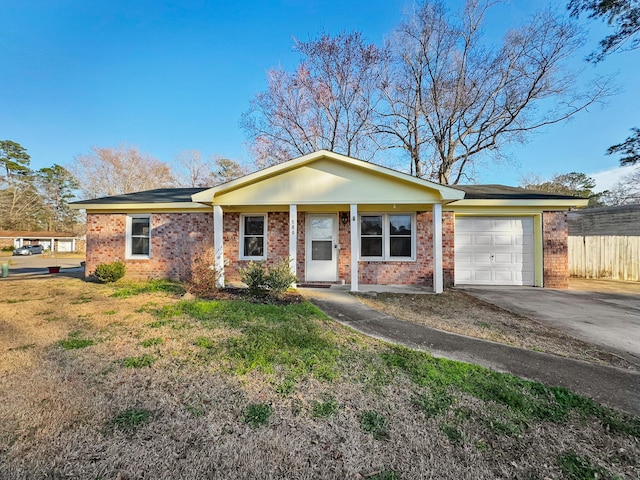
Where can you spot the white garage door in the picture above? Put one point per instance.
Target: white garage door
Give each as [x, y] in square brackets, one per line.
[494, 251]
[65, 245]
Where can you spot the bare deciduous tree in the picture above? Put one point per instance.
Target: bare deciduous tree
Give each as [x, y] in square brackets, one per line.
[327, 103]
[626, 191]
[191, 170]
[194, 171]
[452, 97]
[19, 205]
[115, 171]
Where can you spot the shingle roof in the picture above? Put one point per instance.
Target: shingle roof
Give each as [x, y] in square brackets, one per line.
[159, 195]
[504, 192]
[183, 195]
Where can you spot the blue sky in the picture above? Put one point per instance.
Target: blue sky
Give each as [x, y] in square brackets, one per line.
[173, 76]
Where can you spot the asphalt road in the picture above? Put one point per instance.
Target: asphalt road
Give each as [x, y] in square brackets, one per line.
[38, 264]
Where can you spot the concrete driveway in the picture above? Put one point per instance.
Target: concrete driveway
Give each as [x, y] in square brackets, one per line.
[600, 312]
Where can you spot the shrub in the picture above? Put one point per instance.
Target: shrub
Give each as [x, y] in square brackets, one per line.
[8, 248]
[202, 279]
[110, 272]
[264, 280]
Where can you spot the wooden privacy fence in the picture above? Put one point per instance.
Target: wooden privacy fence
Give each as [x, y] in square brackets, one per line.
[600, 256]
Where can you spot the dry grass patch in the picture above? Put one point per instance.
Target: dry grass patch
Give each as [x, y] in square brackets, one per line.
[238, 390]
[455, 311]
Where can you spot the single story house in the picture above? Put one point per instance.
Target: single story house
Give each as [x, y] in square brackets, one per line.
[339, 219]
[53, 241]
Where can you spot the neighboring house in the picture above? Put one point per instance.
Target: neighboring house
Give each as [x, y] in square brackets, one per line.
[605, 242]
[339, 219]
[54, 241]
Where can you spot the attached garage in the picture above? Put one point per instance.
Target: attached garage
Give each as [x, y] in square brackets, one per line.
[65, 246]
[494, 251]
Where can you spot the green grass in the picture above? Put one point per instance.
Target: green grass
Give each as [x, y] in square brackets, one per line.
[580, 468]
[74, 341]
[130, 419]
[435, 403]
[109, 312]
[383, 475]
[136, 288]
[288, 338]
[324, 409]
[527, 400]
[27, 346]
[82, 299]
[374, 423]
[139, 362]
[451, 432]
[150, 342]
[257, 414]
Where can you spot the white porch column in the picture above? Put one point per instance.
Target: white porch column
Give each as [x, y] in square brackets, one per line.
[218, 244]
[293, 239]
[355, 248]
[437, 248]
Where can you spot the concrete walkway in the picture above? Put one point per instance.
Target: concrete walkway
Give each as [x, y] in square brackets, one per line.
[610, 386]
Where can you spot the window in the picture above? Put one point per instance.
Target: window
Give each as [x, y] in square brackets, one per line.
[253, 237]
[387, 237]
[138, 236]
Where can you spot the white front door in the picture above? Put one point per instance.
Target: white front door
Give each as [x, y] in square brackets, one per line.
[321, 248]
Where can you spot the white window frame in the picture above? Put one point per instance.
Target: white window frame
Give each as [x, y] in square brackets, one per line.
[386, 237]
[129, 236]
[264, 236]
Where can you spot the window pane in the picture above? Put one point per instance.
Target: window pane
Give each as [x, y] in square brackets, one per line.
[321, 228]
[371, 225]
[371, 247]
[321, 250]
[400, 246]
[140, 226]
[254, 246]
[400, 224]
[254, 225]
[140, 246]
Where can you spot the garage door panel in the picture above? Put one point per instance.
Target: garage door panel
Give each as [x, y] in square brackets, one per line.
[503, 240]
[481, 240]
[494, 251]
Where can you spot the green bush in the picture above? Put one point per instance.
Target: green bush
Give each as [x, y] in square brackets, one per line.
[110, 272]
[8, 248]
[264, 280]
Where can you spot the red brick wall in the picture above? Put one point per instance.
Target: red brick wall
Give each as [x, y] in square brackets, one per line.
[277, 242]
[419, 272]
[555, 249]
[448, 250]
[175, 239]
[344, 240]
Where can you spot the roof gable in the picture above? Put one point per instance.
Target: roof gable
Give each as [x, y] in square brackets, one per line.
[326, 177]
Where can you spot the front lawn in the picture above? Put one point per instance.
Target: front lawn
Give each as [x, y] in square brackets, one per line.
[101, 381]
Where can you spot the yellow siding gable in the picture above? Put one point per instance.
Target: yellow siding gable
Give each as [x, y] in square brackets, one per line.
[326, 181]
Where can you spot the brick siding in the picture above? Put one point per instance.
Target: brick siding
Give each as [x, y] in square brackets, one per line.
[448, 250]
[175, 239]
[418, 272]
[555, 248]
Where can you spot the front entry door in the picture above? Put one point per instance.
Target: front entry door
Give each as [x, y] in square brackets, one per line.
[322, 248]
